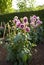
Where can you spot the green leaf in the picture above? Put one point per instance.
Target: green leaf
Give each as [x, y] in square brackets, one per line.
[33, 45]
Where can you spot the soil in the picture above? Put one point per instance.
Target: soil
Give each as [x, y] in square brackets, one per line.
[38, 55]
[3, 55]
[37, 58]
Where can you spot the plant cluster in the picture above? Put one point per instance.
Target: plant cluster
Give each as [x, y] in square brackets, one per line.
[36, 32]
[21, 36]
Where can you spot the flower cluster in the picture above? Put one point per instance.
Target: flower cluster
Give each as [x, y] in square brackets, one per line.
[35, 21]
[23, 25]
[22, 38]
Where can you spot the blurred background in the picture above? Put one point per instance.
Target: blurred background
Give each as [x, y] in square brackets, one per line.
[10, 6]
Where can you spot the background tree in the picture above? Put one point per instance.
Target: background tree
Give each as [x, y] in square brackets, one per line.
[40, 7]
[5, 6]
[25, 5]
[21, 5]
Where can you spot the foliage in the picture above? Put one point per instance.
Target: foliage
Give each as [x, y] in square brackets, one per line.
[7, 17]
[21, 38]
[5, 6]
[19, 45]
[37, 35]
[40, 7]
[23, 5]
[36, 30]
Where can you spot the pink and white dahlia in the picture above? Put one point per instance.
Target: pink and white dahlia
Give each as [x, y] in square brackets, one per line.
[18, 23]
[27, 29]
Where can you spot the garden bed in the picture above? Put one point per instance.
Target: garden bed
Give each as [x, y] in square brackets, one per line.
[38, 55]
[19, 44]
[37, 58]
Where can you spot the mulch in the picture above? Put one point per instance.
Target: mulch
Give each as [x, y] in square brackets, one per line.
[37, 55]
